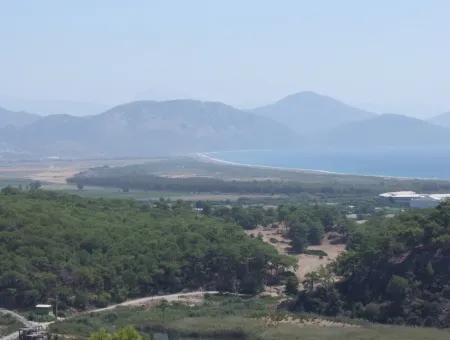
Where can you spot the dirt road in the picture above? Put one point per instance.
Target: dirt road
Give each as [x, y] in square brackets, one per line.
[149, 299]
[18, 317]
[135, 302]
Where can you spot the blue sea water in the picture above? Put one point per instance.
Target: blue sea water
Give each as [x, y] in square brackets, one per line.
[413, 162]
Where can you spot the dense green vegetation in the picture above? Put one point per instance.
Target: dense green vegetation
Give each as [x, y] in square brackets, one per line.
[221, 317]
[395, 271]
[186, 174]
[95, 251]
[247, 217]
[304, 224]
[105, 178]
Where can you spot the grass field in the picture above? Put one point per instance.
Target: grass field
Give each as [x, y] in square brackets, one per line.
[231, 317]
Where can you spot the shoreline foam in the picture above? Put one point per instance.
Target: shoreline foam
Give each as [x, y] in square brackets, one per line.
[206, 156]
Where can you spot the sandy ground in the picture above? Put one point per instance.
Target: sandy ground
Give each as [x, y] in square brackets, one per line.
[306, 263]
[56, 171]
[55, 175]
[311, 263]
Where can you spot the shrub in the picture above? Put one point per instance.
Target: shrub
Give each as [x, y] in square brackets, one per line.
[291, 287]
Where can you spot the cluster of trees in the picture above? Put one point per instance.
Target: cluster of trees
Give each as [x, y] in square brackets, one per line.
[247, 217]
[213, 177]
[304, 224]
[395, 271]
[95, 251]
[108, 177]
[307, 224]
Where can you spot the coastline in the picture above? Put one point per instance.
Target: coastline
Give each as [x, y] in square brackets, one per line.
[206, 157]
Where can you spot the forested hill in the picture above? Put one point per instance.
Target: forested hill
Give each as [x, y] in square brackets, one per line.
[93, 252]
[149, 128]
[396, 270]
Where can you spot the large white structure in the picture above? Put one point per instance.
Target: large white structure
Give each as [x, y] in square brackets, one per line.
[416, 200]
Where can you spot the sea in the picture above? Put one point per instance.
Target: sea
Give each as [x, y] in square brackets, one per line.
[429, 163]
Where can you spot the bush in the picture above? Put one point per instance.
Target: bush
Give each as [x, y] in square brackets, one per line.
[397, 287]
[372, 311]
[102, 299]
[291, 287]
[316, 252]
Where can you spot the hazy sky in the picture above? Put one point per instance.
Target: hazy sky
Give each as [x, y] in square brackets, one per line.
[391, 56]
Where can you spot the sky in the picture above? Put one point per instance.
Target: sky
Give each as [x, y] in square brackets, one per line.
[386, 56]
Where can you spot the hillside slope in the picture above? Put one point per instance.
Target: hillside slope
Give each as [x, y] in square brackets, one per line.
[395, 271]
[118, 249]
[442, 119]
[309, 112]
[388, 130]
[17, 119]
[147, 128]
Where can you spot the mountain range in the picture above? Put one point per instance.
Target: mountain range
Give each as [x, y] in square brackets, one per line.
[16, 118]
[153, 128]
[52, 107]
[147, 128]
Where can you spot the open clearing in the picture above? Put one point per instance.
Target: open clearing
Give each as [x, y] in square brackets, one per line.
[306, 263]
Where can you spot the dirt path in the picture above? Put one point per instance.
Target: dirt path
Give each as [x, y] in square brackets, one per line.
[145, 301]
[20, 318]
[306, 263]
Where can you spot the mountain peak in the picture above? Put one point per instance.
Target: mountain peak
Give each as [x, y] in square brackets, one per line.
[308, 112]
[303, 95]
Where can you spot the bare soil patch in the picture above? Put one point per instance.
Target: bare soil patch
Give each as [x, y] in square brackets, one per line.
[306, 263]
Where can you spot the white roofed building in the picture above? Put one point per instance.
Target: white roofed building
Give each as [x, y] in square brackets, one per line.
[416, 200]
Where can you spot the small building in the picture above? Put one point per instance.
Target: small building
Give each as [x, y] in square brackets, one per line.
[401, 196]
[43, 309]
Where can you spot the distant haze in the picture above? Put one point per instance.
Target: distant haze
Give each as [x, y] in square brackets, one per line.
[383, 56]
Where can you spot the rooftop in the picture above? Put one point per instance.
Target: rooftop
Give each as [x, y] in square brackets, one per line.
[43, 306]
[414, 195]
[401, 194]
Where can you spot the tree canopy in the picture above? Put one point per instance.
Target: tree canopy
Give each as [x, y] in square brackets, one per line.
[95, 251]
[396, 270]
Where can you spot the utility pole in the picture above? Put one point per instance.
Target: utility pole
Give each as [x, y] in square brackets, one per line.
[56, 301]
